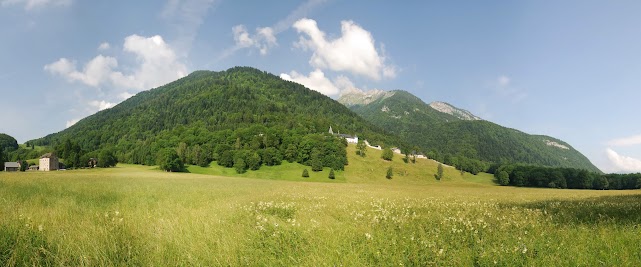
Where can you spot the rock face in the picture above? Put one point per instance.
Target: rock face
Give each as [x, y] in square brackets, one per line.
[356, 97]
[454, 111]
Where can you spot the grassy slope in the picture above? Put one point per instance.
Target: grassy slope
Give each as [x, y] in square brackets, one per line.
[369, 169]
[136, 215]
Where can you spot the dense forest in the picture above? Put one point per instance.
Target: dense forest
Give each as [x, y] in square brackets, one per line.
[535, 176]
[469, 145]
[242, 113]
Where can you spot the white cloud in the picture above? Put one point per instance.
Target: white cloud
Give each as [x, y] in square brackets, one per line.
[158, 64]
[101, 105]
[264, 38]
[104, 46]
[32, 4]
[626, 141]
[72, 122]
[354, 51]
[623, 163]
[316, 81]
[96, 71]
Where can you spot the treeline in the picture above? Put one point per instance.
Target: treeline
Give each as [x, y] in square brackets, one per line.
[243, 149]
[461, 163]
[533, 176]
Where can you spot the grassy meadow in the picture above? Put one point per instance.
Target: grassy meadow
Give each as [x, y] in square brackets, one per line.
[137, 215]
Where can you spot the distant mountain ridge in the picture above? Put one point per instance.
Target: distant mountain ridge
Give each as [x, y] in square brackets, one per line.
[447, 132]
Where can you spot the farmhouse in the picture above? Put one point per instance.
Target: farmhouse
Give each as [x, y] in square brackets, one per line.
[11, 166]
[48, 162]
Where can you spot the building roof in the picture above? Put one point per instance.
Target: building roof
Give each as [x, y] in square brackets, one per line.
[48, 155]
[11, 165]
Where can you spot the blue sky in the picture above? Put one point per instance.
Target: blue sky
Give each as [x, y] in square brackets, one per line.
[569, 69]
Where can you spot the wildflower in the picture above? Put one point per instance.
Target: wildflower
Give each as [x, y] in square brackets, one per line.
[368, 236]
[40, 228]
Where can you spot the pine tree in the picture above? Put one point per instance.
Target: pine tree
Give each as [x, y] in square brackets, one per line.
[305, 173]
[331, 174]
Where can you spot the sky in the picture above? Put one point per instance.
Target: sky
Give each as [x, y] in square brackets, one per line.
[568, 69]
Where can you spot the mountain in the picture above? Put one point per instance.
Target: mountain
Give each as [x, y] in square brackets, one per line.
[207, 113]
[450, 134]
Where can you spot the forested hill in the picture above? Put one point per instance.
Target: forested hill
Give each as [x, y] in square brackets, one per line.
[242, 108]
[471, 143]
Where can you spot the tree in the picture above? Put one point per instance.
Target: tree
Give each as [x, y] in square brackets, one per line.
[168, 160]
[253, 162]
[600, 183]
[439, 172]
[331, 174]
[361, 148]
[305, 173]
[182, 151]
[387, 154]
[316, 162]
[226, 159]
[503, 178]
[24, 165]
[239, 165]
[291, 153]
[390, 173]
[106, 159]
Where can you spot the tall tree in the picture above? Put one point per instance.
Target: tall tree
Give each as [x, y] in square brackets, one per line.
[361, 148]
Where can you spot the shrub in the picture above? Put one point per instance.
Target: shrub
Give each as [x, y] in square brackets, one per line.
[390, 173]
[305, 173]
[331, 174]
[387, 154]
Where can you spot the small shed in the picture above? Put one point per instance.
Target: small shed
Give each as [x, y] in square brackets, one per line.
[11, 166]
[34, 167]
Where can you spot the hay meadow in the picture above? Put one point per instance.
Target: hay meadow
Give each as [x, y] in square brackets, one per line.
[139, 216]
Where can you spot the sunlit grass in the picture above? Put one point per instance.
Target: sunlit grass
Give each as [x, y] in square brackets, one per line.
[137, 215]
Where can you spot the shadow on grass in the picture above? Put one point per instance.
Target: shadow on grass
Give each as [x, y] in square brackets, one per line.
[616, 210]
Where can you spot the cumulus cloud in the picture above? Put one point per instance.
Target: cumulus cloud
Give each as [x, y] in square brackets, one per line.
[104, 46]
[316, 81]
[263, 39]
[33, 4]
[623, 163]
[157, 65]
[101, 105]
[355, 51]
[72, 122]
[626, 141]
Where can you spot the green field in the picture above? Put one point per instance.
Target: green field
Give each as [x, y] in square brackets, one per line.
[137, 215]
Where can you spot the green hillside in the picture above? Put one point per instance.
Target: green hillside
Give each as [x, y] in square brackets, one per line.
[239, 113]
[448, 138]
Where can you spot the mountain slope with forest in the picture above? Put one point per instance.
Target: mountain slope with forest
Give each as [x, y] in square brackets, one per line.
[457, 137]
[233, 115]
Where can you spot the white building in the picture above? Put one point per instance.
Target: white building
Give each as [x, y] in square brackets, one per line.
[48, 162]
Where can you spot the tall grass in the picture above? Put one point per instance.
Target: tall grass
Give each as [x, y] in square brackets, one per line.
[134, 215]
